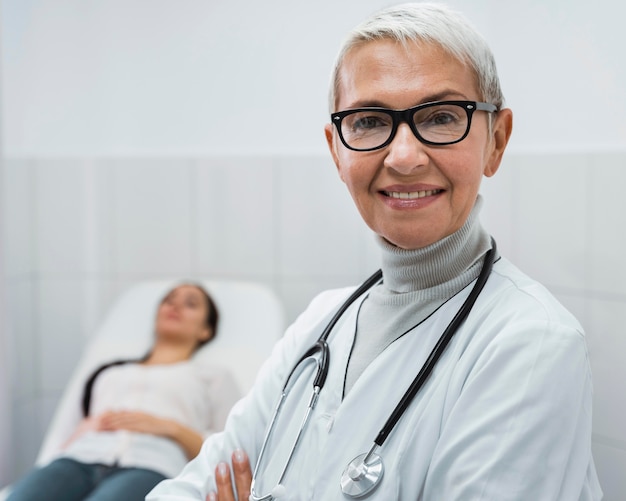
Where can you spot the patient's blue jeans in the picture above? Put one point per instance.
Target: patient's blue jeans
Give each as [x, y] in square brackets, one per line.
[68, 480]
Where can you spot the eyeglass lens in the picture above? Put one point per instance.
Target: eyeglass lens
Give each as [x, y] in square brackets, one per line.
[439, 124]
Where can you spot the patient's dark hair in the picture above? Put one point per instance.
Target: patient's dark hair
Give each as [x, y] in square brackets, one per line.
[213, 314]
[211, 321]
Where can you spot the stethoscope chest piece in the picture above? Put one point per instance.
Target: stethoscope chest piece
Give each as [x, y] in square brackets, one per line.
[362, 475]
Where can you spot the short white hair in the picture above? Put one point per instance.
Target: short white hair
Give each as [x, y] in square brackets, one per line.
[429, 23]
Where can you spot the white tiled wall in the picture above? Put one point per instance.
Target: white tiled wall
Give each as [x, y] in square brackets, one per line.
[607, 273]
[18, 216]
[607, 347]
[79, 231]
[551, 220]
[62, 211]
[234, 207]
[151, 200]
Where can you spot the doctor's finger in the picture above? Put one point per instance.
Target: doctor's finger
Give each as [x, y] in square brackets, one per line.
[243, 473]
[223, 483]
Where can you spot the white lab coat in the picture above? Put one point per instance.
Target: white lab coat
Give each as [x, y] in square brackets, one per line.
[506, 414]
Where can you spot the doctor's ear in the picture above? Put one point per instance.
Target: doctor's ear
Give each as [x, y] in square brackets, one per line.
[500, 134]
[331, 140]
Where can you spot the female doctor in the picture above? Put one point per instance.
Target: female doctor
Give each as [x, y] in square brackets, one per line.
[501, 405]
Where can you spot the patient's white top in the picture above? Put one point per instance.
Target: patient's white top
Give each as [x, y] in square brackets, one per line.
[197, 396]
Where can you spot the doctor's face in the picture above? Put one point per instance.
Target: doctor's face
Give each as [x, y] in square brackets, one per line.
[410, 193]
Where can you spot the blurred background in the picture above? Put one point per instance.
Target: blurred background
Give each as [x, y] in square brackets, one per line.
[162, 139]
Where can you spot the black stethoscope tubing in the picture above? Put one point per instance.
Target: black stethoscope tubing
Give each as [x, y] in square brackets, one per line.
[365, 471]
[321, 344]
[440, 347]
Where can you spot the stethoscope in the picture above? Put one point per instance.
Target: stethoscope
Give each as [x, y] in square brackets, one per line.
[365, 471]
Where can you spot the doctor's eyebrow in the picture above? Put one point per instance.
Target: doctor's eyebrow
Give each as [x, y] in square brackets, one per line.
[444, 95]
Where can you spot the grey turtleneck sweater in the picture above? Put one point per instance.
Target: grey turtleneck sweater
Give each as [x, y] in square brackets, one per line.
[415, 283]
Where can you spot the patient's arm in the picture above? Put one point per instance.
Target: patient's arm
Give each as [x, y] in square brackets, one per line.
[140, 422]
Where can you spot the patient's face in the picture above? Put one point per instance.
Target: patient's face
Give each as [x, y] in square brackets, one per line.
[182, 315]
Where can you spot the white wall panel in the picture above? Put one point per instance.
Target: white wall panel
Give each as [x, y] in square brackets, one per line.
[60, 330]
[498, 213]
[234, 216]
[320, 230]
[62, 212]
[152, 216]
[552, 219]
[27, 434]
[22, 305]
[607, 235]
[110, 287]
[100, 202]
[139, 77]
[607, 345]
[18, 216]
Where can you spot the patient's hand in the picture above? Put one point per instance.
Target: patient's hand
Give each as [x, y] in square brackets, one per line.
[122, 420]
[243, 479]
[139, 422]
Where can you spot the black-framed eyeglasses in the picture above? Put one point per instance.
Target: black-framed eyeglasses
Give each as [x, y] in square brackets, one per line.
[438, 123]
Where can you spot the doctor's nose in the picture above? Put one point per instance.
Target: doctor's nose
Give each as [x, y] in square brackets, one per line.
[405, 153]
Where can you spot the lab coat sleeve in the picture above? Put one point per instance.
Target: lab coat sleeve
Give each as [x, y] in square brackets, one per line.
[246, 423]
[518, 427]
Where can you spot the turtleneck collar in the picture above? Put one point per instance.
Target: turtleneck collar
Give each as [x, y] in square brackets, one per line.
[419, 269]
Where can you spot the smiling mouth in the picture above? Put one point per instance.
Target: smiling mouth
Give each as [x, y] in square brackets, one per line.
[411, 195]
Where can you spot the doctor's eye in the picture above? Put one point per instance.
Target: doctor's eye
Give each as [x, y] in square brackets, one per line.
[441, 117]
[365, 122]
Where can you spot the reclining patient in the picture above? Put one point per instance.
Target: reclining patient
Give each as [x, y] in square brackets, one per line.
[143, 419]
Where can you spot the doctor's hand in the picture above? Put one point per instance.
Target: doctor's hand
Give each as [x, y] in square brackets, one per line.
[243, 479]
